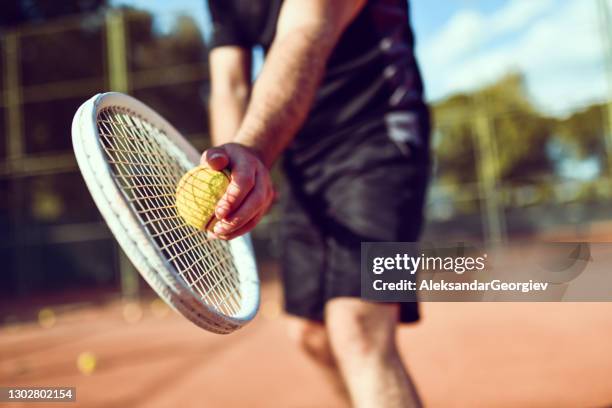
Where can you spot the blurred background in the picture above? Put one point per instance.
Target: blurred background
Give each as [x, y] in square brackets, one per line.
[521, 92]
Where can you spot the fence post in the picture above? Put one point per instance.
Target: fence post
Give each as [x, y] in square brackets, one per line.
[118, 81]
[606, 41]
[488, 183]
[15, 146]
[116, 51]
[12, 96]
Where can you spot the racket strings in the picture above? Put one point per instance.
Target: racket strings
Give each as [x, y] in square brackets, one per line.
[147, 174]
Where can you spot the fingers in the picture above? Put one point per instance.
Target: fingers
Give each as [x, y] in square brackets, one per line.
[257, 201]
[216, 158]
[248, 195]
[242, 230]
[242, 182]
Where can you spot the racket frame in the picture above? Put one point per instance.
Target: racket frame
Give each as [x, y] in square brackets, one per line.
[133, 237]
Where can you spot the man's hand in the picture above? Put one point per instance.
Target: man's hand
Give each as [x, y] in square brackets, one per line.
[249, 194]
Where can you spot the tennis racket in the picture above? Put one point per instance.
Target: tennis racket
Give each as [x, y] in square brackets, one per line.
[132, 160]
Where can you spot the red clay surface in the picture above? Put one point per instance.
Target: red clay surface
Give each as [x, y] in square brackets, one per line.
[461, 355]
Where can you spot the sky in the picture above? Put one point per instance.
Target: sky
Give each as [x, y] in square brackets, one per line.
[556, 43]
[465, 44]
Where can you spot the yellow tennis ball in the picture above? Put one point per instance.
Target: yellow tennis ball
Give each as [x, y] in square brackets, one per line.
[86, 362]
[46, 318]
[197, 194]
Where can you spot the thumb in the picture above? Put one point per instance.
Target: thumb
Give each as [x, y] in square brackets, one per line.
[216, 158]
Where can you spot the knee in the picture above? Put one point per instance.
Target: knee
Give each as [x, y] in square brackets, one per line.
[311, 338]
[357, 333]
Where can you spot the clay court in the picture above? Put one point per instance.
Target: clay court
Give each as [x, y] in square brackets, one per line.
[461, 355]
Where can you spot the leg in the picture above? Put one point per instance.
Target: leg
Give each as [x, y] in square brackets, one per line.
[312, 339]
[362, 337]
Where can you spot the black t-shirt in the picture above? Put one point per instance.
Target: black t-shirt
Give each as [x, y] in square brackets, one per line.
[371, 72]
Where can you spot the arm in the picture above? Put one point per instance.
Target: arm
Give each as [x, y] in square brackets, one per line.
[307, 32]
[230, 68]
[306, 35]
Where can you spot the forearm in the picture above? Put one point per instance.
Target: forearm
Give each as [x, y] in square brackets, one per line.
[230, 85]
[284, 92]
[226, 112]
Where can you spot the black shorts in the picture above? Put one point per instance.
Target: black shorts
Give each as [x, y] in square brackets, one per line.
[365, 185]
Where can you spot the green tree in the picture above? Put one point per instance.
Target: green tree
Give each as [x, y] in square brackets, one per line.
[519, 132]
[584, 131]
